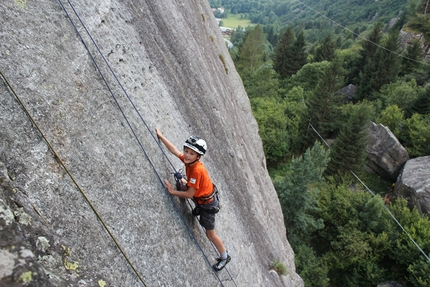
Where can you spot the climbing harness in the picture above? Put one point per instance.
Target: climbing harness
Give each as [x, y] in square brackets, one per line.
[207, 198]
[131, 128]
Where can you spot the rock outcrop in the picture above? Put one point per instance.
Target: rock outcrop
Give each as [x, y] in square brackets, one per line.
[96, 211]
[414, 183]
[385, 155]
[406, 37]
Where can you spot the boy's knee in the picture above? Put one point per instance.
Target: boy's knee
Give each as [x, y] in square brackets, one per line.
[210, 233]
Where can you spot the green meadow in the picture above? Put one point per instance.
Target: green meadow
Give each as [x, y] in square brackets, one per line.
[234, 20]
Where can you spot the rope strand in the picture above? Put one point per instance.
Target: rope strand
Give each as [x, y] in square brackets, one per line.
[128, 123]
[72, 178]
[373, 194]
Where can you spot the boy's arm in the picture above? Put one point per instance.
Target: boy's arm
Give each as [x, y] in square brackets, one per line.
[183, 194]
[168, 144]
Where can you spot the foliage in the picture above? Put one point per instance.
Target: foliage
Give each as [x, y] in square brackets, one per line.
[286, 40]
[323, 104]
[368, 65]
[404, 252]
[421, 104]
[418, 127]
[342, 236]
[392, 117]
[263, 82]
[311, 268]
[353, 237]
[414, 55]
[419, 273]
[290, 12]
[401, 93]
[348, 150]
[279, 268]
[308, 76]
[298, 192]
[269, 113]
[290, 53]
[326, 50]
[252, 53]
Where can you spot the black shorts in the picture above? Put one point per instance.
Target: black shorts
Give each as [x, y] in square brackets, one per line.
[207, 214]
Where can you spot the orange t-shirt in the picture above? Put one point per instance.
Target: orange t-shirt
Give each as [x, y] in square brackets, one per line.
[198, 177]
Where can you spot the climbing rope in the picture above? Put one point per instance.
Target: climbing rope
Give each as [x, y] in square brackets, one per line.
[128, 123]
[373, 194]
[58, 158]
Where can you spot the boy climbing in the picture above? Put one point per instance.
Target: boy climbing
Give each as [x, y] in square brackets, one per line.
[200, 188]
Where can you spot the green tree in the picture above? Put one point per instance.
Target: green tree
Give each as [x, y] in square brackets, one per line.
[282, 50]
[380, 68]
[348, 150]
[326, 50]
[421, 105]
[263, 82]
[353, 241]
[297, 56]
[308, 76]
[252, 53]
[404, 254]
[392, 117]
[365, 70]
[298, 193]
[323, 105]
[311, 268]
[401, 93]
[413, 57]
[388, 61]
[418, 273]
[418, 127]
[294, 112]
[269, 113]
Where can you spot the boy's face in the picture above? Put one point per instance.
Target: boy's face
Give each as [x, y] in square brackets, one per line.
[190, 155]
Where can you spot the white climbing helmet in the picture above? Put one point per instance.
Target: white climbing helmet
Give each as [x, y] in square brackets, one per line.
[196, 144]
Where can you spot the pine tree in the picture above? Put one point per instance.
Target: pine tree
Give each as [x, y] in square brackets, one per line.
[280, 61]
[326, 50]
[388, 60]
[298, 198]
[252, 53]
[296, 56]
[381, 68]
[323, 105]
[422, 103]
[348, 150]
[413, 56]
[364, 67]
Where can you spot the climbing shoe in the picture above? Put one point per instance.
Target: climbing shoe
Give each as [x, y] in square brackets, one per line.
[221, 263]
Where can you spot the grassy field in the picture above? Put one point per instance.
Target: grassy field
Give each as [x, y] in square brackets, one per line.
[233, 21]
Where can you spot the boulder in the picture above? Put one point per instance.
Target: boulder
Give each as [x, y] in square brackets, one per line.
[414, 183]
[385, 155]
[406, 37]
[348, 92]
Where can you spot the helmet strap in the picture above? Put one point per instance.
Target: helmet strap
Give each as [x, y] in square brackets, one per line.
[198, 158]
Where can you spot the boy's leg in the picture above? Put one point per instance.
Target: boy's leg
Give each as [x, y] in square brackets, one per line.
[213, 236]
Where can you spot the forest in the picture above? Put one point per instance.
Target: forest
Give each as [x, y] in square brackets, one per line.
[293, 63]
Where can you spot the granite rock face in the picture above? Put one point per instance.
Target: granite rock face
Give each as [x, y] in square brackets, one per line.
[82, 203]
[385, 155]
[414, 183]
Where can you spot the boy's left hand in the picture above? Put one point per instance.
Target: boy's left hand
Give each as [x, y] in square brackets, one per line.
[168, 186]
